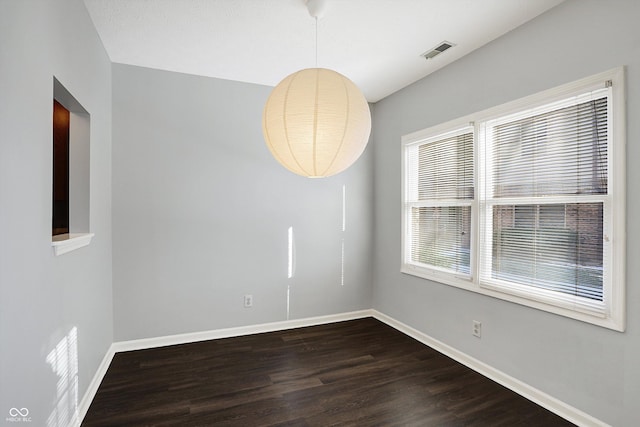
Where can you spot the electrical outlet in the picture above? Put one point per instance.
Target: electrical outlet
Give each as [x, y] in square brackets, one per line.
[248, 301]
[476, 329]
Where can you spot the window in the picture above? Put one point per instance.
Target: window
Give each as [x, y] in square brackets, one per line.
[439, 201]
[525, 201]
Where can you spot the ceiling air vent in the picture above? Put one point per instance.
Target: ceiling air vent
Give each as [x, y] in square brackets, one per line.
[437, 50]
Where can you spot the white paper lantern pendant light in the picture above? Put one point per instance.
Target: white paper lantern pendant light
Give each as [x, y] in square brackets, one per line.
[316, 121]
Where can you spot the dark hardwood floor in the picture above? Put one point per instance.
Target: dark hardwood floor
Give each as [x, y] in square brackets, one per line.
[355, 373]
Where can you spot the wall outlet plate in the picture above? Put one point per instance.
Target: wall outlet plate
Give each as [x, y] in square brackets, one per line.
[248, 301]
[476, 329]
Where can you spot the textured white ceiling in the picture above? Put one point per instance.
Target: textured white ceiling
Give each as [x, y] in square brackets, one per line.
[376, 43]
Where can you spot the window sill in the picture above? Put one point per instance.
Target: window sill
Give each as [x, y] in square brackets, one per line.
[64, 243]
[614, 322]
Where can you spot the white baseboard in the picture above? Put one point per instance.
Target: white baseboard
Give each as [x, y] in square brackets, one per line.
[554, 405]
[236, 332]
[83, 407]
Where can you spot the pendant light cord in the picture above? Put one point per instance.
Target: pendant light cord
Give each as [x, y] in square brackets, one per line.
[316, 41]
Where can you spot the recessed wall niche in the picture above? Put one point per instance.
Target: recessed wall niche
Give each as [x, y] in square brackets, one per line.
[70, 228]
[60, 208]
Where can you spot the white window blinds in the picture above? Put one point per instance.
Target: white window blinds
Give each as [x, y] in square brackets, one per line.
[547, 178]
[440, 193]
[561, 152]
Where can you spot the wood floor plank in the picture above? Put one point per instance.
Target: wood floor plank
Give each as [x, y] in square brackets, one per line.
[355, 373]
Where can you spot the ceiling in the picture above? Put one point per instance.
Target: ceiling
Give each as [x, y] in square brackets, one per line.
[376, 43]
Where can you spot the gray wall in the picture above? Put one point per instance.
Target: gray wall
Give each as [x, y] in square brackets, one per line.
[45, 298]
[592, 368]
[201, 212]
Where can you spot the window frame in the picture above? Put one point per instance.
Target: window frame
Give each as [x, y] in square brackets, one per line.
[614, 220]
[437, 272]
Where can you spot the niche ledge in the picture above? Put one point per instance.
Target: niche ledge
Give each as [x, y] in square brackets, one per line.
[64, 243]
